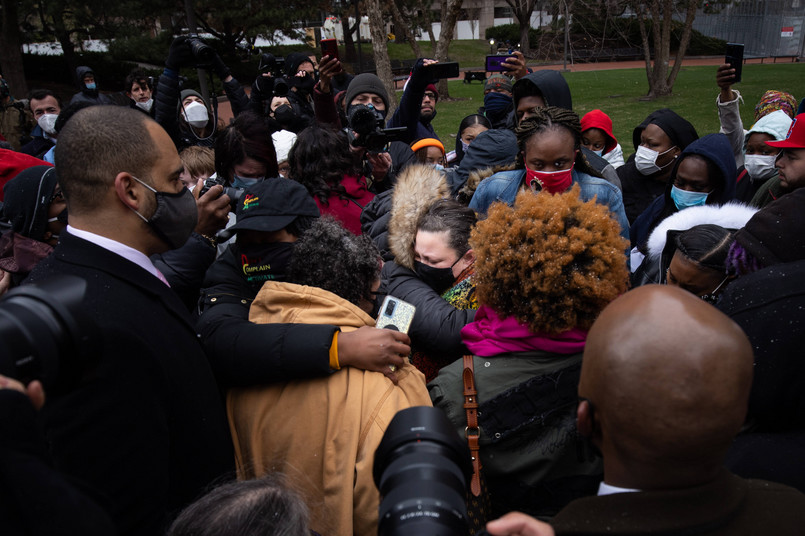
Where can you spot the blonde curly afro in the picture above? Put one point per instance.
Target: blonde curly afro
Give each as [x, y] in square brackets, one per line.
[553, 261]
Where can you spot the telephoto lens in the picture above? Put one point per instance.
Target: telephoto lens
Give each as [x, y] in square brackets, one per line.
[422, 468]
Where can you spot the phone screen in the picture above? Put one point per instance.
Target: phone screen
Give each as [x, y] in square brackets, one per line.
[735, 56]
[496, 64]
[329, 47]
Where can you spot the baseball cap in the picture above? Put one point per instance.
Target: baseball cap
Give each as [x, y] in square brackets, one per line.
[271, 205]
[795, 139]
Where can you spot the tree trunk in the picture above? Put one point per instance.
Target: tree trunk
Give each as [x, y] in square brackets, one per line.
[67, 46]
[404, 25]
[349, 44]
[522, 12]
[11, 58]
[684, 40]
[450, 12]
[381, 53]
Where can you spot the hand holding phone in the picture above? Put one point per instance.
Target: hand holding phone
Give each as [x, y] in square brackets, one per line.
[441, 70]
[329, 47]
[497, 64]
[395, 314]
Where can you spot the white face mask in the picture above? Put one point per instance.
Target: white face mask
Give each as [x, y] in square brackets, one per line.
[645, 160]
[760, 167]
[47, 122]
[145, 106]
[600, 153]
[196, 114]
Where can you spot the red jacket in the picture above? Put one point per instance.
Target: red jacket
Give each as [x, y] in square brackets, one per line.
[348, 211]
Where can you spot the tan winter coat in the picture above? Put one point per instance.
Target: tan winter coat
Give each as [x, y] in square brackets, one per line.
[322, 433]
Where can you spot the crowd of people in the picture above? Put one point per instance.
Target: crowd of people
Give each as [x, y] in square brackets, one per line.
[234, 273]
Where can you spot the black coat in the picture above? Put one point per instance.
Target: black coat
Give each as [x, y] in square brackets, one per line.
[145, 426]
[184, 268]
[436, 328]
[243, 353]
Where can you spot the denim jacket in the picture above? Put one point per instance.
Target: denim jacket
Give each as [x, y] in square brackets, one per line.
[505, 185]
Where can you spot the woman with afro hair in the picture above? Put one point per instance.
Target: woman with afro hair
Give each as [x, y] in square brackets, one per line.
[550, 160]
[544, 271]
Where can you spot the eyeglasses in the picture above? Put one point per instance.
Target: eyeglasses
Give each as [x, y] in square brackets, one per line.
[430, 95]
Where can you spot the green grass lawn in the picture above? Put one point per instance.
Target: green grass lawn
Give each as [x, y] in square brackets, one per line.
[618, 92]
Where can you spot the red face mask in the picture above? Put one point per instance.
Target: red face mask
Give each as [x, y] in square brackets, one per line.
[554, 182]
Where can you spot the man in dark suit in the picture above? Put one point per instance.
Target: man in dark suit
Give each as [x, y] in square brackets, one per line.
[144, 427]
[664, 389]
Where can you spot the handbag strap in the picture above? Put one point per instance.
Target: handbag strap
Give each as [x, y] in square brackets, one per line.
[472, 432]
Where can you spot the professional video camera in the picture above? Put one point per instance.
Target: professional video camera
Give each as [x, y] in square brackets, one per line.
[269, 63]
[233, 192]
[44, 334]
[421, 469]
[203, 52]
[367, 122]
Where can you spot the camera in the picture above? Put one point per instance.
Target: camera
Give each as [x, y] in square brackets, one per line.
[269, 63]
[45, 335]
[203, 52]
[233, 193]
[421, 469]
[367, 122]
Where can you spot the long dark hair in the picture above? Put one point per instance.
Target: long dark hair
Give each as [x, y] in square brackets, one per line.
[319, 160]
[247, 136]
[470, 120]
[706, 245]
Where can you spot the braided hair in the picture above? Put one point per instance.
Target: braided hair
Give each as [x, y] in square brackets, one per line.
[552, 118]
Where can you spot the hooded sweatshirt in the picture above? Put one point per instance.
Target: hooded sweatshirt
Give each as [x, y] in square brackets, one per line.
[612, 150]
[490, 149]
[88, 95]
[714, 148]
[776, 125]
[551, 85]
[640, 190]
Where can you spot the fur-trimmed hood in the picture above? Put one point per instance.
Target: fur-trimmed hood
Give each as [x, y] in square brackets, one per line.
[417, 188]
[474, 179]
[730, 216]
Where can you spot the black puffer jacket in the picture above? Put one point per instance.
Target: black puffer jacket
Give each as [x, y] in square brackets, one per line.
[375, 223]
[242, 353]
[184, 268]
[436, 328]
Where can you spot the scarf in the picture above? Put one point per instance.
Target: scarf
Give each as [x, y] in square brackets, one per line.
[492, 335]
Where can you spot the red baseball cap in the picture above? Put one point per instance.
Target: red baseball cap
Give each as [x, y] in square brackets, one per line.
[795, 139]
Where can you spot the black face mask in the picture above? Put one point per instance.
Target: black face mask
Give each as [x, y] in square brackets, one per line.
[264, 262]
[439, 279]
[304, 84]
[286, 115]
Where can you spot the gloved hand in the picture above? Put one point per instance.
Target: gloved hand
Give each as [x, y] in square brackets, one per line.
[220, 67]
[179, 54]
[263, 87]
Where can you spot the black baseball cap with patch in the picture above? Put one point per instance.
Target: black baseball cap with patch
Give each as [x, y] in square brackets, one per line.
[271, 205]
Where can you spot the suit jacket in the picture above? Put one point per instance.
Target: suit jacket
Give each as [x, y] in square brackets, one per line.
[144, 426]
[729, 505]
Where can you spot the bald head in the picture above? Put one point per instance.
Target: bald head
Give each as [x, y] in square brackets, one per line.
[668, 376]
[96, 144]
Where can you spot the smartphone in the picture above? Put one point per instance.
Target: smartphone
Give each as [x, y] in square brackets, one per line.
[329, 47]
[495, 64]
[448, 69]
[735, 57]
[395, 314]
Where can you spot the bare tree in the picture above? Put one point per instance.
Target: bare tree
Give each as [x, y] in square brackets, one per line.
[450, 12]
[660, 14]
[522, 12]
[11, 58]
[403, 24]
[382, 62]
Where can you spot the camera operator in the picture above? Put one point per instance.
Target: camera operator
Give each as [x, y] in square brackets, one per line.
[283, 92]
[35, 498]
[366, 91]
[187, 118]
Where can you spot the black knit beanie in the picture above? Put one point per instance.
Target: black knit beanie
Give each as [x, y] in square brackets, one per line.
[366, 83]
[774, 235]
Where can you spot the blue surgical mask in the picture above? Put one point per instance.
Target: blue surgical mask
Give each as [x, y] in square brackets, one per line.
[245, 182]
[439, 167]
[90, 85]
[464, 146]
[684, 199]
[599, 153]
